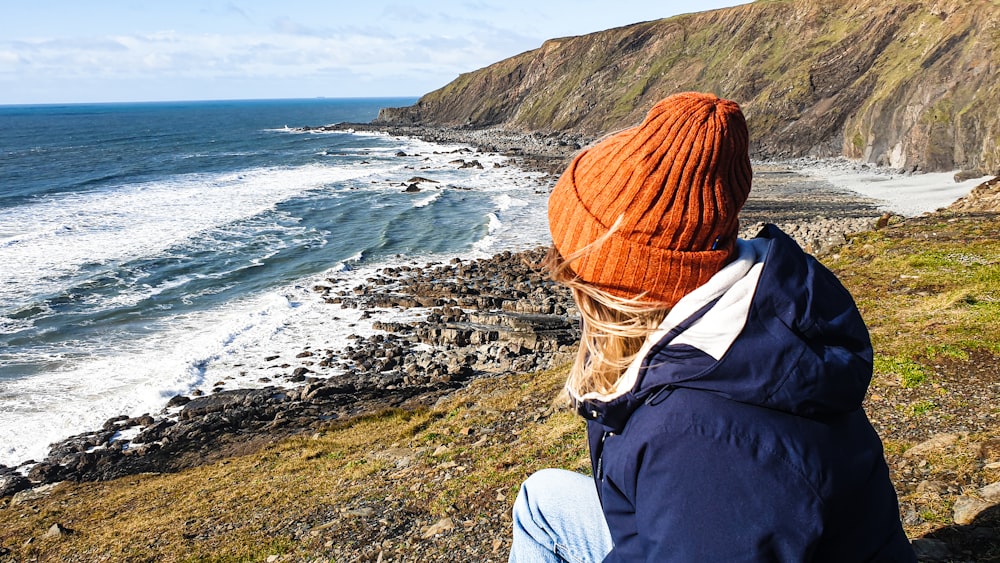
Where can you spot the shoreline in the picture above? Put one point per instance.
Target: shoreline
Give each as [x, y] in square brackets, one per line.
[484, 318]
[477, 319]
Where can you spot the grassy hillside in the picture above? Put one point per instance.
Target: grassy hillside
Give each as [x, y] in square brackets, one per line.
[437, 484]
[910, 84]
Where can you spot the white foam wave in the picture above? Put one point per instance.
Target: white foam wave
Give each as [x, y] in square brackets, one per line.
[348, 264]
[495, 223]
[519, 220]
[48, 243]
[10, 326]
[424, 202]
[381, 134]
[135, 295]
[486, 244]
[506, 202]
[226, 345]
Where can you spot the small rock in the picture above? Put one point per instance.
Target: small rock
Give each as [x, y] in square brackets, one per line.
[178, 401]
[441, 450]
[967, 508]
[937, 443]
[911, 518]
[29, 495]
[12, 482]
[931, 488]
[440, 527]
[57, 531]
[991, 493]
[964, 175]
[323, 527]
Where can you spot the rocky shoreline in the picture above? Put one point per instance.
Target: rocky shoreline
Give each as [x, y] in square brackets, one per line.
[474, 319]
[477, 319]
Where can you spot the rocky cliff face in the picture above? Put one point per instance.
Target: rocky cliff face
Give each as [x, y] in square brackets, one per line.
[909, 84]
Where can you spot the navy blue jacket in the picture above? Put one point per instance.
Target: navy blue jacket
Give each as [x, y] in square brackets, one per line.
[762, 454]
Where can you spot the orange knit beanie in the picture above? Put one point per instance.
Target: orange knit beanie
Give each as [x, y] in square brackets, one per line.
[675, 184]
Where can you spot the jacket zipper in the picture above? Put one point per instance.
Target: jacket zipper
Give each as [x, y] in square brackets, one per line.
[600, 456]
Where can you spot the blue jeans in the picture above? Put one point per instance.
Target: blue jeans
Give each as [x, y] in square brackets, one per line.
[558, 518]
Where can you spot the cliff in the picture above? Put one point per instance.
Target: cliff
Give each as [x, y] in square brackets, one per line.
[908, 84]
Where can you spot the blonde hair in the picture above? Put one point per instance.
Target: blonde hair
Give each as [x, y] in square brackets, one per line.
[613, 329]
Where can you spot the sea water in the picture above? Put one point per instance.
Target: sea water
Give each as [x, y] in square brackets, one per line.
[149, 250]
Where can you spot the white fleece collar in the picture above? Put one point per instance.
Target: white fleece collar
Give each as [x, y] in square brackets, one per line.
[734, 286]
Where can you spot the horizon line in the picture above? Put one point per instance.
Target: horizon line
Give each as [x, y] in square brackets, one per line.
[205, 100]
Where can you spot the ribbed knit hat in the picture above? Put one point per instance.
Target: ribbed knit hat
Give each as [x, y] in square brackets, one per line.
[676, 182]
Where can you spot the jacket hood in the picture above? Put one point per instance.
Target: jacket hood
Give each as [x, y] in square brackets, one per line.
[785, 335]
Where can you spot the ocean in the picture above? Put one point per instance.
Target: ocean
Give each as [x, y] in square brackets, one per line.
[155, 249]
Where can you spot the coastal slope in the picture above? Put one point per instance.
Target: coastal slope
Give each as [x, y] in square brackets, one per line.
[912, 84]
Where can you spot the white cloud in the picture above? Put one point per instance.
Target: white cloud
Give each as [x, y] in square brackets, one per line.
[306, 52]
[407, 14]
[10, 64]
[157, 61]
[287, 26]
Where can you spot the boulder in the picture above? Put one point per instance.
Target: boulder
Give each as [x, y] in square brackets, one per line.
[12, 482]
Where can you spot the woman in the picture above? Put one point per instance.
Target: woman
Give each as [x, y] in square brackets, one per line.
[721, 379]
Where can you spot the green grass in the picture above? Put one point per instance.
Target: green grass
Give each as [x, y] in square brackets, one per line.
[910, 373]
[938, 284]
[921, 408]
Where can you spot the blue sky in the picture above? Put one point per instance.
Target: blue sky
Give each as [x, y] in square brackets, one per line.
[143, 50]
